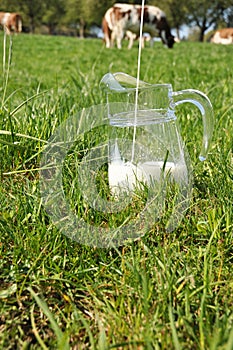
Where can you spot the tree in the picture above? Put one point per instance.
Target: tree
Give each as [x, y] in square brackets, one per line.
[228, 17]
[32, 11]
[76, 14]
[205, 13]
[84, 13]
[53, 14]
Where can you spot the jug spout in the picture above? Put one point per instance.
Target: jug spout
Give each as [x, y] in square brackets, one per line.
[120, 82]
[109, 82]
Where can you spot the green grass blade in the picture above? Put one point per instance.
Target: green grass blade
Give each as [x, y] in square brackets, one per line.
[39, 339]
[229, 345]
[173, 328]
[61, 338]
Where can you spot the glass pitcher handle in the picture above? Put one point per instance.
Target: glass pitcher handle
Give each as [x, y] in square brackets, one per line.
[204, 105]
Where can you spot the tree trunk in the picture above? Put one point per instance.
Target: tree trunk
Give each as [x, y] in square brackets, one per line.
[81, 28]
[32, 25]
[201, 35]
[203, 28]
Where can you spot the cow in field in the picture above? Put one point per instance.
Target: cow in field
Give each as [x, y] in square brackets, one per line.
[223, 36]
[121, 18]
[11, 22]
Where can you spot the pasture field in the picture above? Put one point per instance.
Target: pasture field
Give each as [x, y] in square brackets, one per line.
[163, 291]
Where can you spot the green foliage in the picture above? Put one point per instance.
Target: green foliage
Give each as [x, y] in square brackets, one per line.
[55, 10]
[81, 14]
[206, 14]
[163, 291]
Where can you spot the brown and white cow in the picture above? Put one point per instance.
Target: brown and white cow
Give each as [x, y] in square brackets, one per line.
[126, 17]
[11, 22]
[223, 36]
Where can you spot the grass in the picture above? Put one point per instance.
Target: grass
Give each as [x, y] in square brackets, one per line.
[163, 291]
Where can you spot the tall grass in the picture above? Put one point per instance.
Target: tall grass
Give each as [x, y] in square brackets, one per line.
[163, 291]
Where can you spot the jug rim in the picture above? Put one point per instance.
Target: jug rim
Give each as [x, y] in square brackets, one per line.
[140, 88]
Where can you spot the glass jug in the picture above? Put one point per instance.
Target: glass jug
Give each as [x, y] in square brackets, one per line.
[145, 145]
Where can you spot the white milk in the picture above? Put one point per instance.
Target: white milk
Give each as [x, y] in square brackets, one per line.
[126, 176]
[122, 176]
[154, 170]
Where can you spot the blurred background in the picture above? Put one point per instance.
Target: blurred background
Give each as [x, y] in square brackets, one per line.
[193, 20]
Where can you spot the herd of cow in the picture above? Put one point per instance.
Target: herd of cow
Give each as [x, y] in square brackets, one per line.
[123, 20]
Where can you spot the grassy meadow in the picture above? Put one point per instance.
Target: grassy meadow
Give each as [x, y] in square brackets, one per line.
[163, 291]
